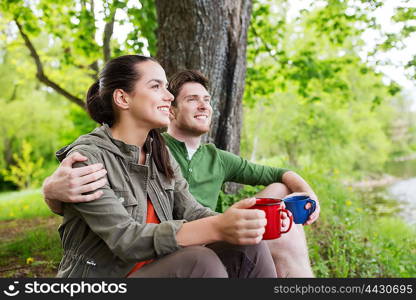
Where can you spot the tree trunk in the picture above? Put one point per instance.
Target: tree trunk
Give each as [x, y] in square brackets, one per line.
[291, 150]
[209, 36]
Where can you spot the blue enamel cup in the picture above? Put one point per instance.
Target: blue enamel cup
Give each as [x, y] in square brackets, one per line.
[296, 205]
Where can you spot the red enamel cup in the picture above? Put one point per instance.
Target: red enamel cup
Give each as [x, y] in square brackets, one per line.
[273, 209]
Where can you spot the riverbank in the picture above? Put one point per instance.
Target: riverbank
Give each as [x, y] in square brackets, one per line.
[397, 169]
[405, 158]
[372, 183]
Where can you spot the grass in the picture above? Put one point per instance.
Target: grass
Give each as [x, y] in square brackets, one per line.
[22, 205]
[354, 239]
[36, 254]
[29, 241]
[37, 242]
[29, 247]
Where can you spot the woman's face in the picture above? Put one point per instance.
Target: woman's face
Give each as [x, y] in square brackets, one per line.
[150, 100]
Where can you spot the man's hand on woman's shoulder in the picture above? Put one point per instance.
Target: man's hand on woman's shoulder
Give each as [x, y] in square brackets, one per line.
[68, 184]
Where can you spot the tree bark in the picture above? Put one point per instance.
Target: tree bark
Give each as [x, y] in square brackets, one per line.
[209, 36]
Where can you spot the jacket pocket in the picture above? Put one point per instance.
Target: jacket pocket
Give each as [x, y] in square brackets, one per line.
[127, 200]
[168, 188]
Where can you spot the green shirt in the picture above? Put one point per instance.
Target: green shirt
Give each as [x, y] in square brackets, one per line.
[210, 167]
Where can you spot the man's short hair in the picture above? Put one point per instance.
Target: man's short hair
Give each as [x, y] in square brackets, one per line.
[180, 78]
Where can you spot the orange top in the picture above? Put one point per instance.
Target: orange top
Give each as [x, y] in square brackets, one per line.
[151, 218]
[151, 214]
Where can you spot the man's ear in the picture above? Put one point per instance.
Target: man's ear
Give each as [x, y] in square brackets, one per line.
[172, 113]
[121, 99]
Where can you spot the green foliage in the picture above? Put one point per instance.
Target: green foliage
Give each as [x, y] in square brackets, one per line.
[305, 53]
[82, 124]
[25, 172]
[403, 18]
[34, 114]
[144, 23]
[41, 130]
[73, 39]
[310, 101]
[348, 139]
[340, 21]
[309, 92]
[72, 25]
[403, 129]
[226, 200]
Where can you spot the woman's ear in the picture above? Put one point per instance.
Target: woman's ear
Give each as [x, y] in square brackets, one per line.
[120, 98]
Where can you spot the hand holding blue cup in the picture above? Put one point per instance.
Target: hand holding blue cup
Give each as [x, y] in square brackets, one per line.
[297, 206]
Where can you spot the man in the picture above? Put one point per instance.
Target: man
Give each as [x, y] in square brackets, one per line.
[205, 167]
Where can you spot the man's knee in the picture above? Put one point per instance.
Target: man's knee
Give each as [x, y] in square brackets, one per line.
[274, 190]
[292, 243]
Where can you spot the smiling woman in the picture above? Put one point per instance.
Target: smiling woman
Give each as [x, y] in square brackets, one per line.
[137, 103]
[145, 222]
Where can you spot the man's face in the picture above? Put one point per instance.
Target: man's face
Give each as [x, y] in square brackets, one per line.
[192, 113]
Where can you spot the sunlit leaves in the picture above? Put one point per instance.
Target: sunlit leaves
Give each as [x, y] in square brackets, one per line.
[305, 51]
[405, 14]
[144, 25]
[405, 17]
[339, 21]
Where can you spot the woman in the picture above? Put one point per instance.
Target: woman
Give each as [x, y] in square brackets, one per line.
[146, 223]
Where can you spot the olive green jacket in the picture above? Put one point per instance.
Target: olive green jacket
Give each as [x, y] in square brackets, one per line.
[106, 237]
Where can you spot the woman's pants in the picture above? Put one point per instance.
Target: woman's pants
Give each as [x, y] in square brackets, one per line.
[218, 260]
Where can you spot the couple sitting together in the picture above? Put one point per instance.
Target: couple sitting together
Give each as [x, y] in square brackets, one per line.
[138, 203]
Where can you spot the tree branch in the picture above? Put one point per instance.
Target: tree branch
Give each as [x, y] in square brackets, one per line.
[93, 66]
[265, 44]
[40, 74]
[108, 32]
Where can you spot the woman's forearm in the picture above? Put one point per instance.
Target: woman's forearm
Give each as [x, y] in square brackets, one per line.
[237, 225]
[199, 232]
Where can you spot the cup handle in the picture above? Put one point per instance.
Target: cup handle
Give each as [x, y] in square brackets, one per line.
[290, 217]
[313, 207]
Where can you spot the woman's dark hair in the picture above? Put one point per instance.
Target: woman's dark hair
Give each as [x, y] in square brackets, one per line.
[122, 73]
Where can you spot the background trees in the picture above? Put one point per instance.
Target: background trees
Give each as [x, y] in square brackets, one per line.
[311, 96]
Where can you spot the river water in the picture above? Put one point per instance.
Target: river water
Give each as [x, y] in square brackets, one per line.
[404, 190]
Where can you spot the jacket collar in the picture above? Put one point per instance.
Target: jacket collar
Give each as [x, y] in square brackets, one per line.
[127, 148]
[102, 138]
